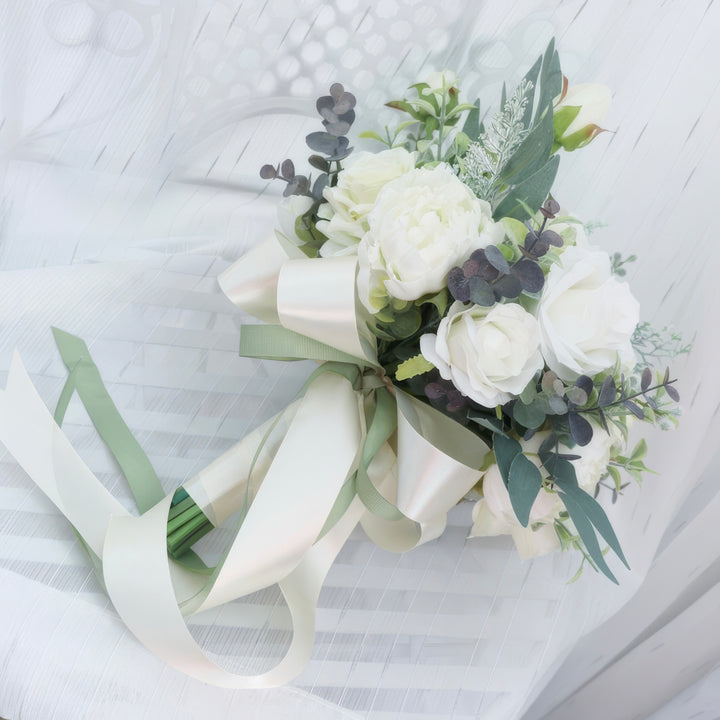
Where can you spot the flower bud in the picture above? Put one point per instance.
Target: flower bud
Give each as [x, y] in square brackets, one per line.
[576, 114]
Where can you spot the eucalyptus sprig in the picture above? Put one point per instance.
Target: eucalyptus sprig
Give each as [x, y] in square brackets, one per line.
[488, 276]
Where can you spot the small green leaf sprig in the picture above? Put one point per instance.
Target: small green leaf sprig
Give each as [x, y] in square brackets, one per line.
[653, 346]
[434, 116]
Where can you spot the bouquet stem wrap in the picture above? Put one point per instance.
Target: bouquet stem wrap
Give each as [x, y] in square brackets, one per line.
[350, 450]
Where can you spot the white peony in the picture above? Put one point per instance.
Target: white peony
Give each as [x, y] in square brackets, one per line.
[494, 515]
[586, 316]
[344, 216]
[423, 224]
[490, 354]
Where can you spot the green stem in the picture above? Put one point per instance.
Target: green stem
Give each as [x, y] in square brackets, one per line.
[186, 525]
[442, 124]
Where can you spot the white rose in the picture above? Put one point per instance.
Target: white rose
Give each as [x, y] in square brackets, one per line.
[494, 514]
[344, 216]
[423, 224]
[586, 316]
[593, 102]
[490, 354]
[288, 211]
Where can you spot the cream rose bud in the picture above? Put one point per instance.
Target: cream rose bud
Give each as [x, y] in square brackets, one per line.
[424, 223]
[440, 82]
[489, 354]
[344, 216]
[586, 316]
[577, 114]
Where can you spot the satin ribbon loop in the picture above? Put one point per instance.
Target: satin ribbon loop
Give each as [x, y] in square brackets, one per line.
[314, 298]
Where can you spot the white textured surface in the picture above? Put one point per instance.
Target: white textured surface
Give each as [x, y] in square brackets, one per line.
[130, 137]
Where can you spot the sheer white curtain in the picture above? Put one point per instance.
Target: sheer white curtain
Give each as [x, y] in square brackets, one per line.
[130, 138]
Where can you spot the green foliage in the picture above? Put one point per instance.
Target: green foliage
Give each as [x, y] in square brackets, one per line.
[618, 262]
[523, 484]
[529, 192]
[487, 157]
[416, 365]
[527, 175]
[654, 347]
[632, 464]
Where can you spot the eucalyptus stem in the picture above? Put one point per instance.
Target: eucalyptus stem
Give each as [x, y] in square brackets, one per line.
[625, 399]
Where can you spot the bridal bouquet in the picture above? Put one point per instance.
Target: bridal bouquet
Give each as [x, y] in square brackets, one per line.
[482, 299]
[471, 344]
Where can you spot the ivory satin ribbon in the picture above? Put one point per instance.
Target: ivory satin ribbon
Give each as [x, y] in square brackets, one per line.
[307, 454]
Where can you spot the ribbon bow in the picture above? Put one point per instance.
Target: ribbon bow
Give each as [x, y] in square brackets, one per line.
[350, 450]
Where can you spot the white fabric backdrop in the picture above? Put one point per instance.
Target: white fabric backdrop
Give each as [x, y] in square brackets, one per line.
[130, 137]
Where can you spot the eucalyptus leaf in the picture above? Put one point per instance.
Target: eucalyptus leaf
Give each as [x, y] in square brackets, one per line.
[557, 405]
[646, 379]
[585, 383]
[507, 286]
[587, 534]
[268, 172]
[406, 323]
[489, 423]
[607, 393]
[480, 292]
[596, 515]
[287, 169]
[550, 80]
[531, 416]
[577, 396]
[547, 446]
[562, 471]
[471, 128]
[506, 449]
[524, 484]
[548, 381]
[532, 153]
[580, 429]
[319, 162]
[497, 259]
[529, 274]
[529, 392]
[530, 193]
[635, 409]
[552, 238]
[531, 76]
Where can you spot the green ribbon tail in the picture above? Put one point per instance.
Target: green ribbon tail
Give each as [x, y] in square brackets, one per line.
[85, 378]
[382, 426]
